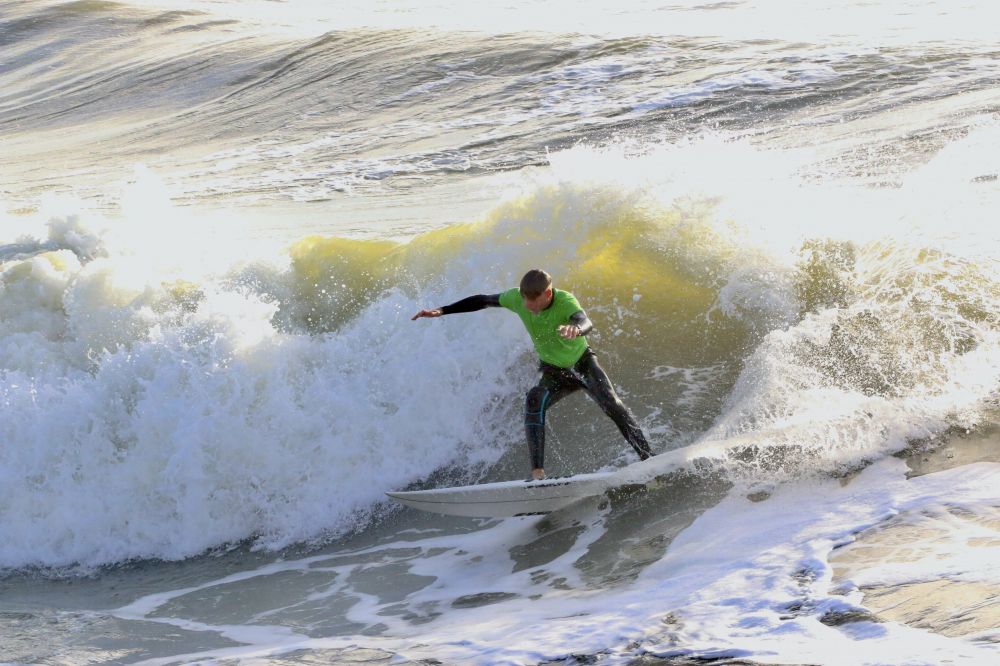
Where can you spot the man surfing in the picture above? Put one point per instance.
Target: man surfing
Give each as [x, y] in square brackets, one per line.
[558, 327]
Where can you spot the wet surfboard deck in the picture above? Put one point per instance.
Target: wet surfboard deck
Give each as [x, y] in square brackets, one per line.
[508, 498]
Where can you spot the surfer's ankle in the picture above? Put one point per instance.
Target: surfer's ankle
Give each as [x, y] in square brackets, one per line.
[538, 474]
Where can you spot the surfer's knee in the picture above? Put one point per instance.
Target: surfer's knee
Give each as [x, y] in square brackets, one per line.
[535, 395]
[535, 404]
[612, 404]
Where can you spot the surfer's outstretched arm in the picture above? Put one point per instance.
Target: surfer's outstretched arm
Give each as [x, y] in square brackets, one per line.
[470, 304]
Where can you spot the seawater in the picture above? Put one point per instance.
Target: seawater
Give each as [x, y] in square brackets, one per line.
[217, 221]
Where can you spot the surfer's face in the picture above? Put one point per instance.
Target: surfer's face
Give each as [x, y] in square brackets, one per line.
[536, 305]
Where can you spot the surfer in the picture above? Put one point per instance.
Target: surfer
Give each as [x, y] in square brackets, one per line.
[558, 327]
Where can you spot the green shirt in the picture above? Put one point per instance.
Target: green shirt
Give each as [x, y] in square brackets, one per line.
[544, 326]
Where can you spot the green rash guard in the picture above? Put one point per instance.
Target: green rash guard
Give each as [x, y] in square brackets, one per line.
[544, 326]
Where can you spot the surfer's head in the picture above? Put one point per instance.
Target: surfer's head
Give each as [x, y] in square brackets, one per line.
[536, 290]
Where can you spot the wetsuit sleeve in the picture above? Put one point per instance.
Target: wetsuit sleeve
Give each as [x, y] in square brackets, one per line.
[472, 303]
[580, 319]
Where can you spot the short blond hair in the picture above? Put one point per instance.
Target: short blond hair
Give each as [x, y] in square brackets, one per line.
[535, 282]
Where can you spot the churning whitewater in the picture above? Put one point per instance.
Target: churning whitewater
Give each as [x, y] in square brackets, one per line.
[216, 222]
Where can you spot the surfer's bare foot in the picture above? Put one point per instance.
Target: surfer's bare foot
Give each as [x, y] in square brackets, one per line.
[537, 474]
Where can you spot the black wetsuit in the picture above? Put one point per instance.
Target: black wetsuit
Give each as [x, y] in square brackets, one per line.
[556, 383]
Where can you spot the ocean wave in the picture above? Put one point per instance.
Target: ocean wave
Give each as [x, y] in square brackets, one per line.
[155, 409]
[236, 112]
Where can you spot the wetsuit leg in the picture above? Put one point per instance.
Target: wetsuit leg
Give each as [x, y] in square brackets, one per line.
[600, 389]
[554, 385]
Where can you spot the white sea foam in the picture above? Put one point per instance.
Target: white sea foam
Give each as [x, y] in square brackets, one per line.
[762, 79]
[183, 439]
[746, 579]
[147, 417]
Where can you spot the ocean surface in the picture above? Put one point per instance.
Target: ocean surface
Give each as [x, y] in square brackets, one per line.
[217, 218]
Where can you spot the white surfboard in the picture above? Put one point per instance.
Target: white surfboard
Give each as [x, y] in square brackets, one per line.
[508, 498]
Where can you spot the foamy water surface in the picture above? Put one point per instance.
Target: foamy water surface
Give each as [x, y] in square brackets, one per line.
[218, 218]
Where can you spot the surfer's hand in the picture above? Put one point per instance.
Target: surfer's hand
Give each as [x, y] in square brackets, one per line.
[569, 331]
[436, 312]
